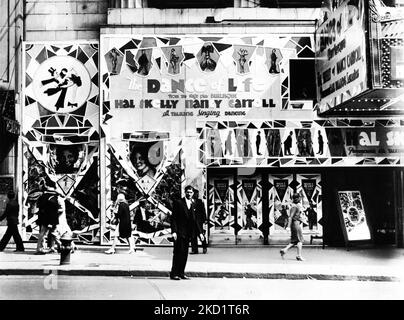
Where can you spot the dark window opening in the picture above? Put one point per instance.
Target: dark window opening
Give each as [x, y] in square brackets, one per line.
[291, 4]
[178, 4]
[302, 79]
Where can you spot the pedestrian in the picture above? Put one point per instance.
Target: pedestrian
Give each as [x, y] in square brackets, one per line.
[296, 228]
[182, 221]
[288, 144]
[49, 207]
[11, 213]
[124, 228]
[200, 219]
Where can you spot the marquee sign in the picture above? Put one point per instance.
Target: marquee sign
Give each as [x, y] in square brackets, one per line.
[341, 55]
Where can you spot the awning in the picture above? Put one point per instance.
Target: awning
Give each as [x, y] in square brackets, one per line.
[373, 103]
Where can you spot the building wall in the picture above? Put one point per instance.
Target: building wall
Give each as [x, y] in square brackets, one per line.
[10, 42]
[64, 20]
[75, 21]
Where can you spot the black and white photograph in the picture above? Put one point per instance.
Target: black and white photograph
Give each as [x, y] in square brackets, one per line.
[202, 158]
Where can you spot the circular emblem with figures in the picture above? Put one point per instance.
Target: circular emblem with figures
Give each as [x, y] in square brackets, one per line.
[62, 84]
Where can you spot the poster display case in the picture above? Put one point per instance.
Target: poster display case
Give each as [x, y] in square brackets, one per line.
[354, 223]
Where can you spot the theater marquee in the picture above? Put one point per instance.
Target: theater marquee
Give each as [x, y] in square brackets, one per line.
[341, 55]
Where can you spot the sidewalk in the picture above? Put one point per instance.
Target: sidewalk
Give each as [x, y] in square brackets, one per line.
[363, 264]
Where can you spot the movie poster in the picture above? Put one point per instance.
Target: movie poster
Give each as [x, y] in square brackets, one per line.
[354, 215]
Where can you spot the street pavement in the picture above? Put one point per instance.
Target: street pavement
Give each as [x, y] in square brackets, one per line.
[361, 264]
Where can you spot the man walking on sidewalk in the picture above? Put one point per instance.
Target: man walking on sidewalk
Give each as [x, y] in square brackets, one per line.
[182, 222]
[11, 213]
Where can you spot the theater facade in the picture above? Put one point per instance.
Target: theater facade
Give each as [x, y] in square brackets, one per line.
[233, 114]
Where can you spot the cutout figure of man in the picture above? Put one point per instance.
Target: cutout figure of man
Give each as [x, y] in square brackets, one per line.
[274, 67]
[320, 143]
[288, 144]
[258, 142]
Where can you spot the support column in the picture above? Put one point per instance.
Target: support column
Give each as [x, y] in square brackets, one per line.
[265, 208]
[399, 206]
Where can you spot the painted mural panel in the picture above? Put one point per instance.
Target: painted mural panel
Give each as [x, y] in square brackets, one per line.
[249, 208]
[280, 197]
[151, 178]
[309, 187]
[221, 210]
[61, 133]
[287, 143]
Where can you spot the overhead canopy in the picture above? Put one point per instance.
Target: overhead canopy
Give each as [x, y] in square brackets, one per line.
[372, 103]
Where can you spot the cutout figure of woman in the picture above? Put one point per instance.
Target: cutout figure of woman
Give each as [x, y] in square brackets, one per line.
[174, 66]
[242, 60]
[240, 143]
[228, 147]
[207, 62]
[274, 67]
[114, 60]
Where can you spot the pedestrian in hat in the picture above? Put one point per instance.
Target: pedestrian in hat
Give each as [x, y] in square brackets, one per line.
[297, 218]
[124, 227]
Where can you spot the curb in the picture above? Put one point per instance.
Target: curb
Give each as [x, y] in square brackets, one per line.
[194, 274]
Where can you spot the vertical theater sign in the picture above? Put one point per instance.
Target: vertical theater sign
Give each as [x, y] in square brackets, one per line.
[61, 133]
[359, 50]
[341, 55]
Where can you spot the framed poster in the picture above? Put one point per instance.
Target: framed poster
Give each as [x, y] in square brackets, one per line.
[353, 219]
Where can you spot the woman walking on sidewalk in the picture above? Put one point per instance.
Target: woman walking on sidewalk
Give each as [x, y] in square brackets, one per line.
[124, 225]
[296, 221]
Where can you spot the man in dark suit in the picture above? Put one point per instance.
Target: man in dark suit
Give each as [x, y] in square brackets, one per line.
[200, 219]
[182, 222]
[11, 213]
